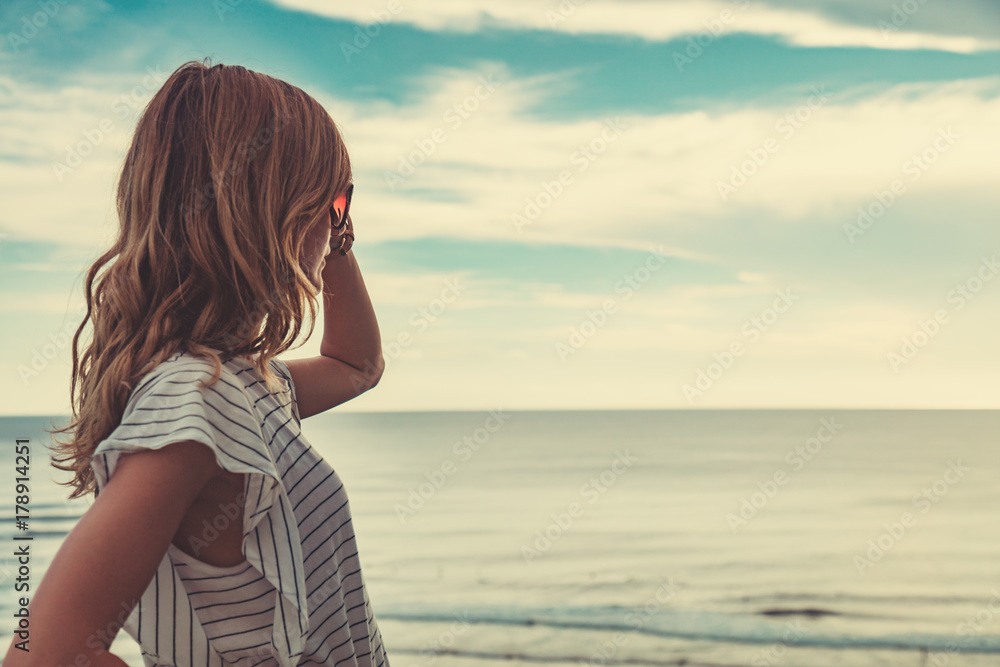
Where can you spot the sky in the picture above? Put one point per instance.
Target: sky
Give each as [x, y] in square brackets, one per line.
[569, 205]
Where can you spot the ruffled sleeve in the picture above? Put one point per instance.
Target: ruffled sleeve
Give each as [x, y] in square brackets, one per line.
[169, 405]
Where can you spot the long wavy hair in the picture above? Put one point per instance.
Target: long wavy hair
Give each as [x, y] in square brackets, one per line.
[225, 173]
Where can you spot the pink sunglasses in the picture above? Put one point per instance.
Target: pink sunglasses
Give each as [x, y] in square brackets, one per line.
[339, 218]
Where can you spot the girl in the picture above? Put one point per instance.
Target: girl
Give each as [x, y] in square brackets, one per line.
[218, 535]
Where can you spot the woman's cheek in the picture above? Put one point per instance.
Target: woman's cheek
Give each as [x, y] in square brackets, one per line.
[317, 238]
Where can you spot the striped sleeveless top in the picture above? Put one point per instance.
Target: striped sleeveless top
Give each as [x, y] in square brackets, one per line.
[300, 598]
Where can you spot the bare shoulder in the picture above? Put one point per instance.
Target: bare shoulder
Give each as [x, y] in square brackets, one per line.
[322, 383]
[189, 463]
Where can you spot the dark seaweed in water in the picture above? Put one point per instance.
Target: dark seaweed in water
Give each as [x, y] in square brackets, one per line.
[808, 611]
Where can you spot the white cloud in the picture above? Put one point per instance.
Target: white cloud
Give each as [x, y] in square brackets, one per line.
[656, 180]
[72, 306]
[650, 19]
[660, 172]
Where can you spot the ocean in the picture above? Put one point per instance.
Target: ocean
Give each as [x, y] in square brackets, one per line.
[801, 538]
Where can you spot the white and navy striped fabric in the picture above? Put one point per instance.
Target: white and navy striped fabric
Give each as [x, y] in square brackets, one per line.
[220, 594]
[297, 530]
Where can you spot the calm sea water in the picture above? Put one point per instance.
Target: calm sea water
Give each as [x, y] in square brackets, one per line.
[650, 537]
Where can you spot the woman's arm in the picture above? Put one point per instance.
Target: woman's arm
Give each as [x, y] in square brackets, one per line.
[350, 330]
[350, 361]
[110, 556]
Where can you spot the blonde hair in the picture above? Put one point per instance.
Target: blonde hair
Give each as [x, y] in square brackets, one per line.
[226, 171]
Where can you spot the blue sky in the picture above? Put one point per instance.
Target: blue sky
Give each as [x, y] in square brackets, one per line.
[571, 205]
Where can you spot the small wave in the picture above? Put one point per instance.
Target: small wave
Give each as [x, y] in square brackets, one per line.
[692, 625]
[571, 659]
